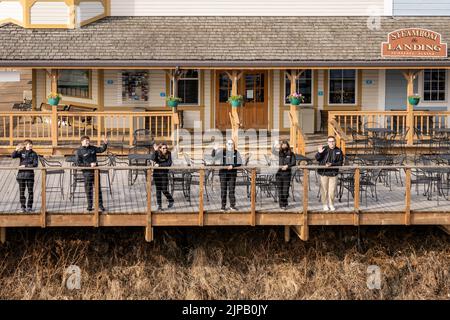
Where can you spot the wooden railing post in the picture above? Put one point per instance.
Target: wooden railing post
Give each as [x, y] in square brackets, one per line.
[408, 197]
[96, 198]
[54, 126]
[149, 227]
[304, 229]
[131, 125]
[253, 197]
[356, 200]
[201, 198]
[331, 116]
[11, 130]
[44, 198]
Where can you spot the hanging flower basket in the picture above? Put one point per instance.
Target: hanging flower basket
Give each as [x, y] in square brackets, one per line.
[173, 101]
[414, 99]
[53, 99]
[296, 98]
[236, 101]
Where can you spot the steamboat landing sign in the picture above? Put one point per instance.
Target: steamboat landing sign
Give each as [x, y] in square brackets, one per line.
[414, 43]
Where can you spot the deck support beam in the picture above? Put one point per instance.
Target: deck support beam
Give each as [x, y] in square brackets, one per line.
[287, 233]
[149, 228]
[2, 235]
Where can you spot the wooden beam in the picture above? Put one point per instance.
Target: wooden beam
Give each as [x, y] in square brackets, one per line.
[44, 199]
[96, 198]
[409, 76]
[201, 198]
[357, 179]
[304, 229]
[408, 197]
[253, 198]
[149, 227]
[287, 233]
[2, 235]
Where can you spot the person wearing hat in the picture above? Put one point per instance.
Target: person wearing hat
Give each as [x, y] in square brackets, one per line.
[230, 158]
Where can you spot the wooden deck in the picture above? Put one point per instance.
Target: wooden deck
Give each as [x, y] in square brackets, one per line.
[127, 205]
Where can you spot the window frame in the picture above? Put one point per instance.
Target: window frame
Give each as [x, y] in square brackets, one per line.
[90, 89]
[356, 103]
[312, 90]
[198, 89]
[421, 89]
[121, 87]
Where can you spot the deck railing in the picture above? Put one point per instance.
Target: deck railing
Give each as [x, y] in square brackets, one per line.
[357, 122]
[62, 128]
[135, 204]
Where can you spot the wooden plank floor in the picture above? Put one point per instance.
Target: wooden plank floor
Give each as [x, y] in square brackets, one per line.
[132, 199]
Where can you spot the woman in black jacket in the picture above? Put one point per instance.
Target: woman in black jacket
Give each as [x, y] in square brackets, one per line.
[162, 158]
[284, 174]
[25, 178]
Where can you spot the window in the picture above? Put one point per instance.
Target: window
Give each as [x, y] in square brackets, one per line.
[188, 87]
[342, 87]
[434, 85]
[74, 83]
[304, 86]
[135, 87]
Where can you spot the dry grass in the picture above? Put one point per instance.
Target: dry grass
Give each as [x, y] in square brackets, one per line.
[236, 263]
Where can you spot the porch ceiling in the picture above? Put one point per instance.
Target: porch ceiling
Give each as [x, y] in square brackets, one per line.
[214, 42]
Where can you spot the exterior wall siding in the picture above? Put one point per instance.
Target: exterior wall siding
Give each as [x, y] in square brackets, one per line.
[421, 7]
[40, 87]
[247, 7]
[396, 90]
[49, 13]
[370, 81]
[276, 99]
[208, 105]
[11, 10]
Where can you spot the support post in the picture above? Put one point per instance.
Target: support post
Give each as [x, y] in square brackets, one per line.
[293, 76]
[54, 122]
[234, 115]
[149, 227]
[410, 76]
[101, 105]
[2, 235]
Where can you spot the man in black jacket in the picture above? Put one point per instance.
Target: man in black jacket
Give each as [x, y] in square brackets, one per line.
[283, 176]
[25, 178]
[162, 158]
[86, 156]
[329, 156]
[230, 158]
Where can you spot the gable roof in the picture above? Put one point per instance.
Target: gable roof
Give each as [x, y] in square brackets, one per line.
[214, 42]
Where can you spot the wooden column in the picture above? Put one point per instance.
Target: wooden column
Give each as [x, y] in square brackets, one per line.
[234, 115]
[96, 217]
[101, 105]
[53, 74]
[304, 229]
[174, 76]
[356, 191]
[253, 198]
[293, 76]
[410, 75]
[408, 197]
[44, 199]
[201, 198]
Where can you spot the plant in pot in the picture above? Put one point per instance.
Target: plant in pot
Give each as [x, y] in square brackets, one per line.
[236, 101]
[296, 98]
[173, 101]
[54, 98]
[414, 99]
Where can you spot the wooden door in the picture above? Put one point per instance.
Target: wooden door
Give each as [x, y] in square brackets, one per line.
[253, 87]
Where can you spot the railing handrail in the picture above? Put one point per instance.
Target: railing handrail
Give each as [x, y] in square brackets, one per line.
[214, 167]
